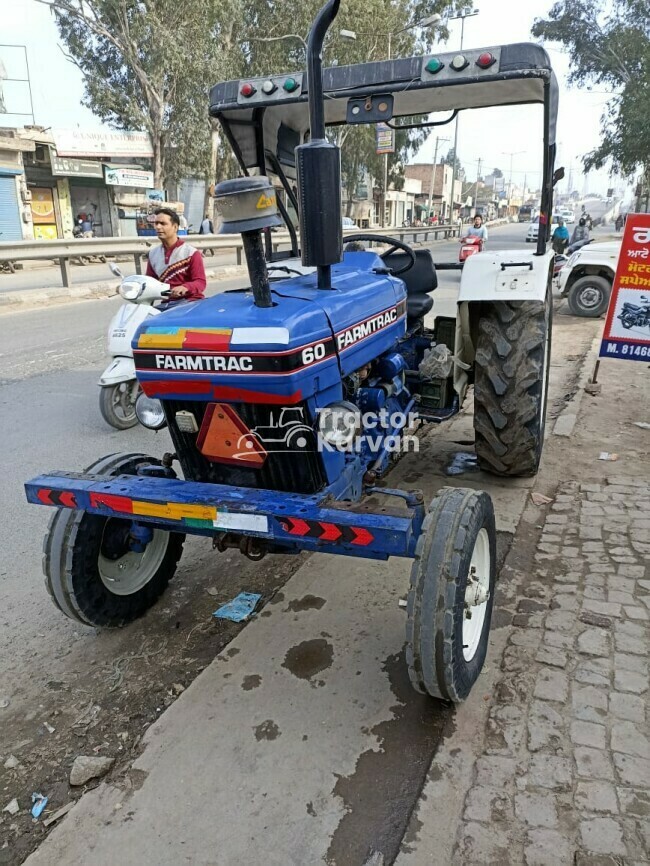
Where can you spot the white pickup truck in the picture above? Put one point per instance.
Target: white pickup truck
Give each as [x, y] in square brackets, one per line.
[587, 277]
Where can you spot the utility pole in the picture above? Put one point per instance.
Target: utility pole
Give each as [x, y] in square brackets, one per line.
[463, 15]
[478, 177]
[433, 172]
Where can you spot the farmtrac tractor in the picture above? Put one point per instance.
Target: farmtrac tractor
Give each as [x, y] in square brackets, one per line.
[284, 400]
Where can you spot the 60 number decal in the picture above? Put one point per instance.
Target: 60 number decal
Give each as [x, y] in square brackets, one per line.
[313, 353]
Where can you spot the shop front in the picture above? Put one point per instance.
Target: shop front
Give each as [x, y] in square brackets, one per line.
[83, 196]
[13, 191]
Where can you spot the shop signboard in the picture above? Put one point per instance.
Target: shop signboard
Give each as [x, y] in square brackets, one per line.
[65, 166]
[103, 142]
[627, 326]
[128, 177]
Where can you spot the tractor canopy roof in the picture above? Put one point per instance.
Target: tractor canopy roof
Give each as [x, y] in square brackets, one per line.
[266, 118]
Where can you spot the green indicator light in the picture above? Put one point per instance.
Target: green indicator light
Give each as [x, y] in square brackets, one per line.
[434, 65]
[290, 85]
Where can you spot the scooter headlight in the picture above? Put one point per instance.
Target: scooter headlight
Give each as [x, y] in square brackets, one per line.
[150, 413]
[338, 424]
[131, 289]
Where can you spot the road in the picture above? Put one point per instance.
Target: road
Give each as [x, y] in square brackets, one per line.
[314, 690]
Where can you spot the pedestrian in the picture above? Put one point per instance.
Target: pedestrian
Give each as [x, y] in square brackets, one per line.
[176, 262]
[580, 232]
[206, 226]
[560, 237]
[86, 225]
[182, 222]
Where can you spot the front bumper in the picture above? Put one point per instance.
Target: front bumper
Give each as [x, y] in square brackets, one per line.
[289, 520]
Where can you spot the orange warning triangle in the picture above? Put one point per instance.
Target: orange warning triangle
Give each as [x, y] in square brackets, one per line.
[225, 438]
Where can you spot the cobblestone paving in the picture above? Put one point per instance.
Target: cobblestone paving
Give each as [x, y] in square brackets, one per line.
[564, 777]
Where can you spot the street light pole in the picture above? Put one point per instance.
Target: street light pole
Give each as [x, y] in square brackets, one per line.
[433, 173]
[463, 15]
[511, 154]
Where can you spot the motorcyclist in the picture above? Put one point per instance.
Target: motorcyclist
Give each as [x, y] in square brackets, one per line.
[560, 237]
[477, 230]
[580, 232]
[176, 262]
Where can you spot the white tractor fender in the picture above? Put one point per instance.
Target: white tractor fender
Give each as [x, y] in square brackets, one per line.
[505, 275]
[119, 370]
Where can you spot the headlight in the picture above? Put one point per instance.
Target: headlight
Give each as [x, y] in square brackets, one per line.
[573, 258]
[338, 424]
[131, 289]
[150, 413]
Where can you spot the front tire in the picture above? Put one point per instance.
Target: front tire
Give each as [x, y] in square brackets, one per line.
[589, 296]
[626, 322]
[117, 404]
[513, 356]
[451, 595]
[90, 572]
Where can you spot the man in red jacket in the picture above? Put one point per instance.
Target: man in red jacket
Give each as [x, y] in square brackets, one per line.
[176, 262]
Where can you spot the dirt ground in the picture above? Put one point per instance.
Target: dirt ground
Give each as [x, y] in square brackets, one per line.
[130, 677]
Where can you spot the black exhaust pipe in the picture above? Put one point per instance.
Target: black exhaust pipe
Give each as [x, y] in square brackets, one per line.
[319, 166]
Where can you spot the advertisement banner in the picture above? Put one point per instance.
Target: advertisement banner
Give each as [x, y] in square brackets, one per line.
[129, 177]
[105, 142]
[627, 327]
[385, 138]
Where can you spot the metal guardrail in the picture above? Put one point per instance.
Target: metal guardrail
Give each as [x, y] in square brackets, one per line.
[65, 251]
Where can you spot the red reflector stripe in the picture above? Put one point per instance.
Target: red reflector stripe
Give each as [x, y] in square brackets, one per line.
[330, 532]
[120, 504]
[363, 537]
[57, 497]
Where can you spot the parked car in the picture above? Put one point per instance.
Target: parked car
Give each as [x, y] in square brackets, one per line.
[533, 231]
[586, 279]
[348, 223]
[567, 214]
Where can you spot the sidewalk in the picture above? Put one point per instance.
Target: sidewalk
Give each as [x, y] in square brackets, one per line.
[559, 774]
[565, 773]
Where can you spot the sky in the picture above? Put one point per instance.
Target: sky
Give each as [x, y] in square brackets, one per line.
[488, 134]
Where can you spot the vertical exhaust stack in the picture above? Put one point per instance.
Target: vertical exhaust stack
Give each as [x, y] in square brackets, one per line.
[319, 166]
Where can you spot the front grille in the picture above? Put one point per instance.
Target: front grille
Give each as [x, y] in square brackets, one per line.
[284, 470]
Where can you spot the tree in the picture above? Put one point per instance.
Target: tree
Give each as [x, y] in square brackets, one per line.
[609, 44]
[497, 172]
[148, 64]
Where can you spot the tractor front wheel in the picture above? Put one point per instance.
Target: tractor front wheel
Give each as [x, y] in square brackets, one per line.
[451, 595]
[513, 355]
[92, 572]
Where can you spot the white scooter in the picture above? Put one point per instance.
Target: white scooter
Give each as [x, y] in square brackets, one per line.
[119, 387]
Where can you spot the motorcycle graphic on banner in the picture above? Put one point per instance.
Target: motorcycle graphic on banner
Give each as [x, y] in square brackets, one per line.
[627, 327]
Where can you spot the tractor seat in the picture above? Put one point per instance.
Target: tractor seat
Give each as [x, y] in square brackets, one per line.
[419, 281]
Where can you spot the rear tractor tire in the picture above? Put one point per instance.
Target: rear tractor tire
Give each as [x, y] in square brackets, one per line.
[90, 571]
[451, 595]
[513, 355]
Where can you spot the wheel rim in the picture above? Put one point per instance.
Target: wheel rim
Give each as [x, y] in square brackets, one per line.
[477, 594]
[589, 297]
[132, 571]
[122, 401]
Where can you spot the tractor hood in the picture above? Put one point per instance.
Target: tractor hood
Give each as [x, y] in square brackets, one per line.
[226, 348]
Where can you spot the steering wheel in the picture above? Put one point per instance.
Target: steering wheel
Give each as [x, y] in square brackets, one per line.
[394, 245]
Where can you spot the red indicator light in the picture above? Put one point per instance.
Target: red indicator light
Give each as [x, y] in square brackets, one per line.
[247, 90]
[486, 60]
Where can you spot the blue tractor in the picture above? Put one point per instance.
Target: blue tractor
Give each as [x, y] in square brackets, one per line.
[285, 401]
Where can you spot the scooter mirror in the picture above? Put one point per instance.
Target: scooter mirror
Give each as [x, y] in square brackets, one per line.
[114, 269]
